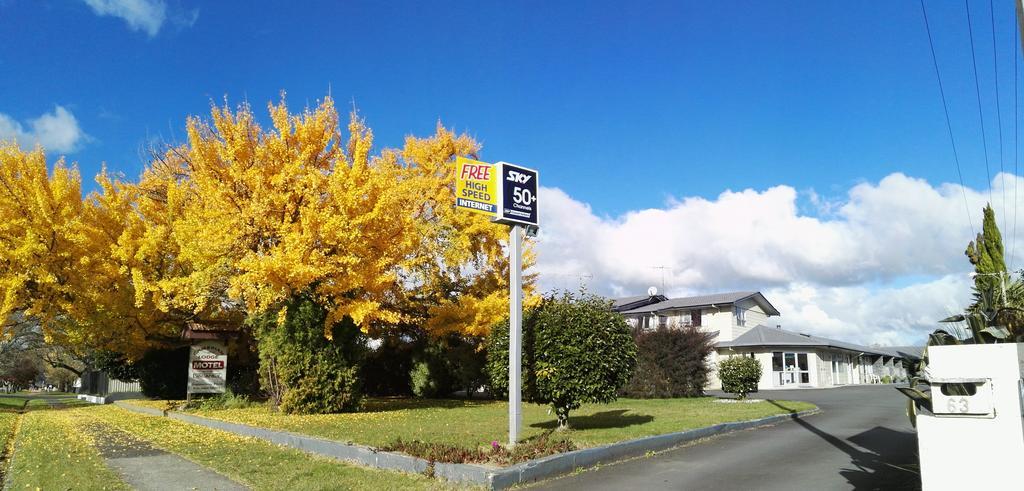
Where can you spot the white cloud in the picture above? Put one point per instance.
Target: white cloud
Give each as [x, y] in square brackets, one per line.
[885, 316]
[140, 15]
[833, 273]
[57, 131]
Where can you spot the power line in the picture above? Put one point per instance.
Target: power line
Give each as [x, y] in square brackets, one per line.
[949, 126]
[999, 112]
[977, 91]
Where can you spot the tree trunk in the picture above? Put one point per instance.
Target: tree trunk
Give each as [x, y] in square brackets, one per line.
[563, 418]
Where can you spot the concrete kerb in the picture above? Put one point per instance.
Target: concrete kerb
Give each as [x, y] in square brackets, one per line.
[93, 399]
[487, 476]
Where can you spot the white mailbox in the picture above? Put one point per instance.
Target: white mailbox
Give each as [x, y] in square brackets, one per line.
[962, 397]
[977, 409]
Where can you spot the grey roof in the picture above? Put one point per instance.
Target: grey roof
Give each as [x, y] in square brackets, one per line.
[618, 302]
[626, 301]
[911, 352]
[770, 336]
[707, 300]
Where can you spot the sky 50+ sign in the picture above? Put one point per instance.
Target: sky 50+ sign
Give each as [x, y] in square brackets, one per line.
[517, 203]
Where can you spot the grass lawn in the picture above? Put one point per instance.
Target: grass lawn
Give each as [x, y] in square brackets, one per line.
[477, 423]
[253, 462]
[7, 424]
[7, 421]
[65, 401]
[51, 453]
[12, 402]
[33, 401]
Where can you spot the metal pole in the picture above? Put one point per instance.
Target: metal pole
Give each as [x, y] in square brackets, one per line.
[515, 335]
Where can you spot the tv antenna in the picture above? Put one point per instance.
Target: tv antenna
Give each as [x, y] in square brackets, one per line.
[662, 268]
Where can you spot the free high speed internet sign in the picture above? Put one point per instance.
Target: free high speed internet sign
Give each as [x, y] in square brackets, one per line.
[476, 186]
[517, 203]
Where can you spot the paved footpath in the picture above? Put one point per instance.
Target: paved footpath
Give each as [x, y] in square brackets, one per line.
[146, 468]
[861, 440]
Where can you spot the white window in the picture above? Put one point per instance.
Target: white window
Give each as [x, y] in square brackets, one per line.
[740, 313]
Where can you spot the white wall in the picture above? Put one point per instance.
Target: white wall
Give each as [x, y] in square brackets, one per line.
[753, 315]
[718, 319]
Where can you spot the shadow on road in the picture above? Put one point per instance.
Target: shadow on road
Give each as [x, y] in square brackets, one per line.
[604, 419]
[873, 469]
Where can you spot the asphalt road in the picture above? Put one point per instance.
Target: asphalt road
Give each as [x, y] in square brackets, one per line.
[861, 440]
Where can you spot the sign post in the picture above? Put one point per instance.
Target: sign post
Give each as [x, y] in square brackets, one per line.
[515, 333]
[517, 206]
[508, 193]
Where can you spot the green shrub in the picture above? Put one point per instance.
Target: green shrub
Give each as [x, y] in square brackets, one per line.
[430, 378]
[575, 350]
[739, 375]
[163, 373]
[301, 368]
[670, 363]
[386, 368]
[413, 364]
[467, 360]
[227, 400]
[886, 379]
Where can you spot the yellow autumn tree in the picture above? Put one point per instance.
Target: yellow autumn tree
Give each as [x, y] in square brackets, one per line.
[459, 277]
[56, 262]
[260, 215]
[243, 219]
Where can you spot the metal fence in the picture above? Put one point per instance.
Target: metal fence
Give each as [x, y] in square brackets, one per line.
[99, 383]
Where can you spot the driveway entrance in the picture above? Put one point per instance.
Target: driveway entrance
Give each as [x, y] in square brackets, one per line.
[861, 440]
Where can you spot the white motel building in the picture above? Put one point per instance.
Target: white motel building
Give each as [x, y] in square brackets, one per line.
[740, 325]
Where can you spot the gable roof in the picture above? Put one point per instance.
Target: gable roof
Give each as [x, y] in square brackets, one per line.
[909, 352]
[769, 336]
[626, 303]
[707, 301]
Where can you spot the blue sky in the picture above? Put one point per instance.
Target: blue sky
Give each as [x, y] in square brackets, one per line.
[641, 114]
[664, 98]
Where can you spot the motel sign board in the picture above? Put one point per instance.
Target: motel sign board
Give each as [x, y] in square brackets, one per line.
[208, 367]
[476, 186]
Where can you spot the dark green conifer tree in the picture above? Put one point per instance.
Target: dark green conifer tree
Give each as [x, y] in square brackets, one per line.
[986, 254]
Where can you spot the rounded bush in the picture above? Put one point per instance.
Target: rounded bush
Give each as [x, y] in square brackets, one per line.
[575, 350]
[739, 375]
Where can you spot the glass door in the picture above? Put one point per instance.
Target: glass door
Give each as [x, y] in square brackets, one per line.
[790, 368]
[840, 369]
